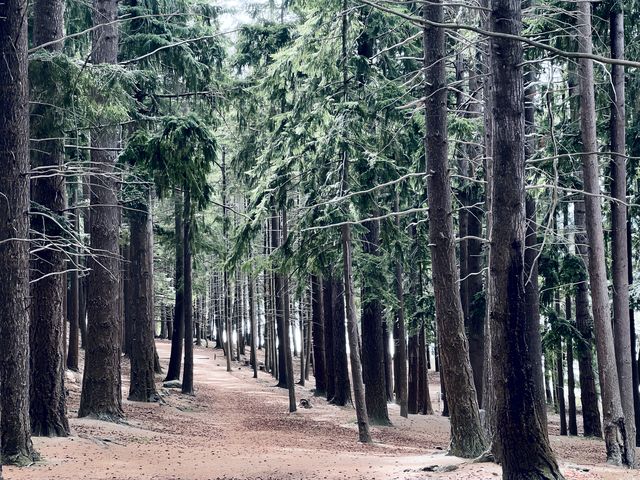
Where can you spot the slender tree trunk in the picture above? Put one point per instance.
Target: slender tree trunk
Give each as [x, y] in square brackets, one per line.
[620, 267]
[177, 337]
[14, 233]
[400, 357]
[74, 311]
[388, 362]
[373, 363]
[424, 403]
[101, 385]
[342, 387]
[287, 323]
[467, 436]
[619, 450]
[516, 392]
[254, 325]
[279, 305]
[49, 286]
[412, 396]
[187, 375]
[328, 315]
[632, 332]
[562, 410]
[143, 386]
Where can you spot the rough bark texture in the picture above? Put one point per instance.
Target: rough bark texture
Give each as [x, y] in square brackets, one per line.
[317, 312]
[101, 395]
[400, 335]
[14, 233]
[142, 387]
[342, 386]
[177, 336]
[48, 287]
[619, 267]
[588, 394]
[187, 374]
[619, 450]
[373, 364]
[467, 436]
[328, 296]
[513, 369]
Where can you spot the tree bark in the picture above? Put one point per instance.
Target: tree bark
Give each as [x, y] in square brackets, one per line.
[143, 386]
[177, 337]
[342, 386]
[48, 195]
[187, 374]
[317, 312]
[14, 233]
[101, 386]
[373, 364]
[619, 449]
[467, 436]
[400, 357]
[328, 295]
[619, 266]
[516, 392]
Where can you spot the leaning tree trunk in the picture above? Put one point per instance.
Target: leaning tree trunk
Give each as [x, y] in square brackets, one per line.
[619, 267]
[516, 391]
[177, 336]
[142, 387]
[317, 329]
[619, 448]
[467, 436]
[14, 234]
[48, 195]
[101, 393]
[187, 374]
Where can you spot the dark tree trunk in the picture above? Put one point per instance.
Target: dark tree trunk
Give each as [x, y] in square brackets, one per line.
[619, 266]
[279, 305]
[74, 309]
[467, 436]
[254, 323]
[373, 362]
[620, 448]
[128, 307]
[142, 387]
[14, 224]
[287, 323]
[588, 394]
[101, 385]
[414, 374]
[532, 299]
[516, 391]
[424, 397]
[400, 335]
[177, 337]
[562, 409]
[187, 374]
[328, 296]
[571, 385]
[317, 312]
[342, 389]
[49, 286]
[388, 361]
[632, 333]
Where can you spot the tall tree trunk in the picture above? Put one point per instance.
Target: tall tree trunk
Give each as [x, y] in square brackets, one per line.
[414, 373]
[187, 374]
[562, 410]
[287, 322]
[254, 324]
[328, 295]
[619, 450]
[632, 329]
[177, 337]
[342, 386]
[48, 195]
[74, 310]
[467, 436]
[101, 385]
[400, 334]
[143, 386]
[424, 397]
[619, 267]
[516, 392]
[279, 305]
[388, 362]
[14, 233]
[373, 365]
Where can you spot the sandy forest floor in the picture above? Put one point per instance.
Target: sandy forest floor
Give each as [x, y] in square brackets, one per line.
[239, 428]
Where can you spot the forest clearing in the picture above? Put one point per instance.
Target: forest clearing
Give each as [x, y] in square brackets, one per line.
[271, 239]
[237, 427]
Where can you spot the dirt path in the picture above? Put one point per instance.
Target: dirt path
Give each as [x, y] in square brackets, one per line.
[239, 428]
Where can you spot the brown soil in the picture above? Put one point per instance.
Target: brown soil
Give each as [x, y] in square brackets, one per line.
[238, 428]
